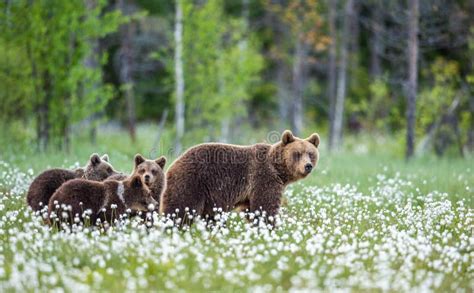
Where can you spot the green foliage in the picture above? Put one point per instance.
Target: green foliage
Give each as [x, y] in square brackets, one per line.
[435, 99]
[13, 96]
[238, 58]
[445, 89]
[373, 102]
[380, 98]
[49, 41]
[467, 114]
[221, 64]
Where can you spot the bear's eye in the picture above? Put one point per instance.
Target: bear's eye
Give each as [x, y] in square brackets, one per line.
[109, 170]
[311, 156]
[141, 171]
[296, 156]
[154, 171]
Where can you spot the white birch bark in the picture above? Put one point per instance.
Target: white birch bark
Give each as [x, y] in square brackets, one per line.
[342, 78]
[179, 76]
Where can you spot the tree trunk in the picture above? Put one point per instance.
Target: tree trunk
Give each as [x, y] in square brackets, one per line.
[235, 130]
[246, 21]
[283, 93]
[470, 92]
[342, 78]
[281, 72]
[179, 76]
[161, 125]
[426, 142]
[470, 132]
[43, 114]
[296, 114]
[126, 79]
[331, 88]
[354, 37]
[412, 75]
[41, 103]
[92, 61]
[376, 45]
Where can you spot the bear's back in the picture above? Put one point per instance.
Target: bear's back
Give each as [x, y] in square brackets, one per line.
[218, 156]
[45, 184]
[80, 194]
[221, 173]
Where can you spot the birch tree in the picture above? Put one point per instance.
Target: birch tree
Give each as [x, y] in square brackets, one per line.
[412, 52]
[219, 70]
[179, 76]
[332, 54]
[44, 36]
[336, 137]
[126, 62]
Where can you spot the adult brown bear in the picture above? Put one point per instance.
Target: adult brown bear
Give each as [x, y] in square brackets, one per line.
[214, 175]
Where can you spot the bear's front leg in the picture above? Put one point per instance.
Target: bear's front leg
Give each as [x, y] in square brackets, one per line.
[243, 206]
[265, 203]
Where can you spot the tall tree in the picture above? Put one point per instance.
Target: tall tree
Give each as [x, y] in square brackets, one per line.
[56, 71]
[376, 43]
[127, 31]
[179, 76]
[336, 137]
[226, 126]
[332, 54]
[92, 62]
[354, 39]
[412, 52]
[219, 71]
[298, 84]
[305, 31]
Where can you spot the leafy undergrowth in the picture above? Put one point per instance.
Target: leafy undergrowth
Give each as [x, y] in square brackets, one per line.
[390, 235]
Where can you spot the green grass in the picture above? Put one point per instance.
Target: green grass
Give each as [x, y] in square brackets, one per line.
[365, 220]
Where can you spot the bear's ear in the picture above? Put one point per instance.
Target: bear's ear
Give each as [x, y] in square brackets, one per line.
[161, 161]
[105, 157]
[139, 159]
[95, 159]
[287, 137]
[136, 182]
[314, 139]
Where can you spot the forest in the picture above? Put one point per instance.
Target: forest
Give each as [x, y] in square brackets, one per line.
[103, 101]
[215, 70]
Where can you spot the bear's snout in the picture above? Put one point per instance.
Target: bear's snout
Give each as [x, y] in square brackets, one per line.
[147, 178]
[308, 168]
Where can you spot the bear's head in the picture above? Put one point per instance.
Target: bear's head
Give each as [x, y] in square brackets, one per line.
[137, 196]
[151, 171]
[294, 157]
[98, 168]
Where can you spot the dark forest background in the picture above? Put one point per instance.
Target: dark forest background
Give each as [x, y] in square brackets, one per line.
[219, 70]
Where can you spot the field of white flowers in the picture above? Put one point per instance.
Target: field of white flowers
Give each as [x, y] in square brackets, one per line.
[389, 236]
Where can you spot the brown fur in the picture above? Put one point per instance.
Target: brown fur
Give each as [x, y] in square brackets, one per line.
[45, 184]
[215, 175]
[82, 195]
[151, 172]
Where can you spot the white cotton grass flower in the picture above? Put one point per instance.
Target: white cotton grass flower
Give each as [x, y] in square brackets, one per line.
[336, 237]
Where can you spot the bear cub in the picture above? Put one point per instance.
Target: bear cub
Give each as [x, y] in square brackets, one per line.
[151, 172]
[46, 183]
[87, 201]
[214, 175]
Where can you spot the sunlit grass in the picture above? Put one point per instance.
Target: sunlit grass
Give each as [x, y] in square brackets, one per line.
[364, 221]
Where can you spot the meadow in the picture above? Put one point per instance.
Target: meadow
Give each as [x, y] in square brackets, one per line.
[365, 220]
